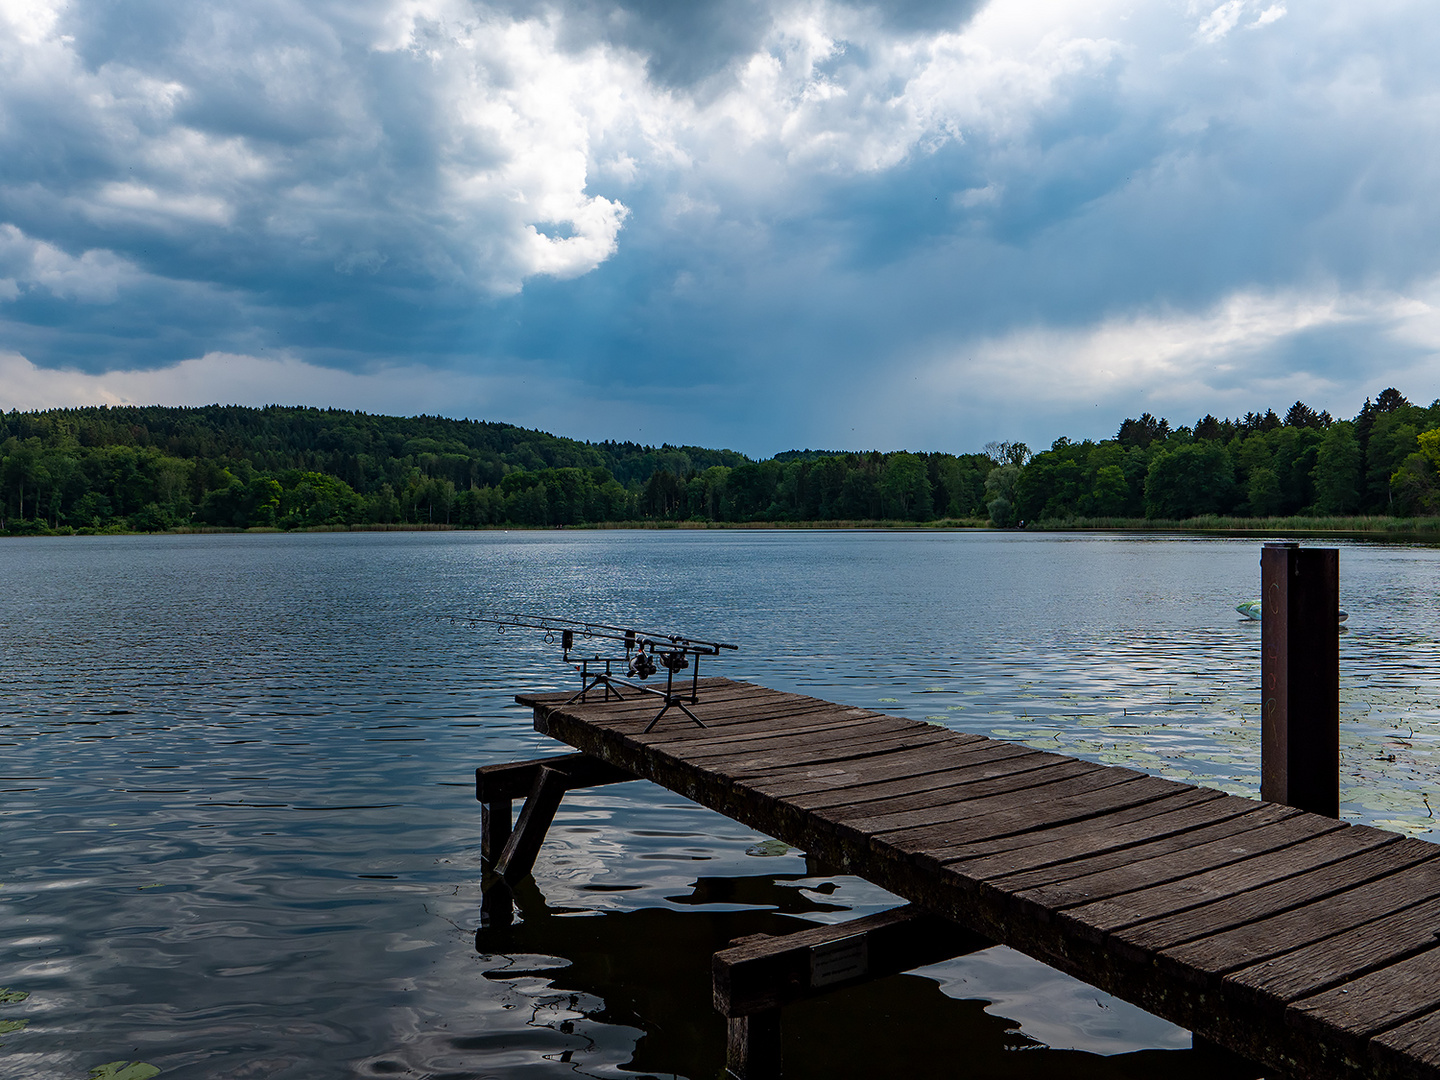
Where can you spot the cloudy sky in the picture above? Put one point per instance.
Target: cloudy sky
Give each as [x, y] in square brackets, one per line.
[760, 224]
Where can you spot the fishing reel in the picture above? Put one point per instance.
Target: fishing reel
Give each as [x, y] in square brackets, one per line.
[642, 666]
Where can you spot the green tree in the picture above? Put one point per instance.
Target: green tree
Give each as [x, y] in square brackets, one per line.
[1263, 492]
[1190, 480]
[1111, 494]
[1413, 487]
[314, 498]
[1000, 494]
[1336, 474]
[905, 488]
[382, 507]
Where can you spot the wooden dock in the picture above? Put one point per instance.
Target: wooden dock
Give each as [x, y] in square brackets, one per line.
[1293, 939]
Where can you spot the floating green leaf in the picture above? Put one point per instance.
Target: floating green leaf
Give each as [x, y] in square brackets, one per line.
[124, 1070]
[768, 848]
[7, 1026]
[12, 997]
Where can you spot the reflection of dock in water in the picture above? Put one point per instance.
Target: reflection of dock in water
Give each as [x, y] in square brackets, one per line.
[1291, 938]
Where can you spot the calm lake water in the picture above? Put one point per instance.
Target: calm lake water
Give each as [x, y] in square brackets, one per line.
[238, 835]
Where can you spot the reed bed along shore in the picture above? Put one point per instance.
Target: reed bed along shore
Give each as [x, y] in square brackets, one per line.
[1373, 526]
[1368, 525]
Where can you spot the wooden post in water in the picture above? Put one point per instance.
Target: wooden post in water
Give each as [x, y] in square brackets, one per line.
[1300, 677]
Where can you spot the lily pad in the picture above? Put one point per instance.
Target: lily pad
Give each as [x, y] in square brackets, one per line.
[12, 997]
[124, 1070]
[7, 1026]
[767, 849]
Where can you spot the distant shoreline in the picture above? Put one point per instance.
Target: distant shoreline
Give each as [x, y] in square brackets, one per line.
[1359, 527]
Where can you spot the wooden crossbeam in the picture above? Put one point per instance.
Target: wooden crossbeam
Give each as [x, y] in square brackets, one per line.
[510, 848]
[497, 786]
[757, 975]
[765, 972]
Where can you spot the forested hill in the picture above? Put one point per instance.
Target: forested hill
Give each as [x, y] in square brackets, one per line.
[1383, 462]
[151, 468]
[154, 468]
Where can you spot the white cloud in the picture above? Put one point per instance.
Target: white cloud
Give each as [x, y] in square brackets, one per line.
[30, 21]
[1220, 21]
[1273, 13]
[1217, 359]
[232, 379]
[94, 277]
[481, 158]
[518, 394]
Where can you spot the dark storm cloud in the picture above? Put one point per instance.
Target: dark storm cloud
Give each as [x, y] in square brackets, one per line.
[918, 222]
[689, 43]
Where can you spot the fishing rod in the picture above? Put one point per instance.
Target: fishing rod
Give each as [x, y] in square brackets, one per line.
[675, 653]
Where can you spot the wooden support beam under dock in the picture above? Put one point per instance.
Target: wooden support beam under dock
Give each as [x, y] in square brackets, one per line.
[1287, 937]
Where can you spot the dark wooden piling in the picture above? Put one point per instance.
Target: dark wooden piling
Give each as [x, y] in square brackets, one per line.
[1300, 677]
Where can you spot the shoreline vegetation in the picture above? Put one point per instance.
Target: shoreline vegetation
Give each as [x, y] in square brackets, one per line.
[151, 469]
[1359, 527]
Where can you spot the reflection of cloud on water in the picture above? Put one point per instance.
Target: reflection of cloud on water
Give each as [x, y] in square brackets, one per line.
[1052, 1008]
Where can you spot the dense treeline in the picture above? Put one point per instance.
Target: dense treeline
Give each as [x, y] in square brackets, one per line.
[1382, 462]
[145, 469]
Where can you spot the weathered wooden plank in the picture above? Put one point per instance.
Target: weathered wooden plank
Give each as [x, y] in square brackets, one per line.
[924, 841]
[718, 702]
[725, 716]
[962, 752]
[941, 781]
[712, 686]
[1273, 899]
[966, 790]
[732, 721]
[1372, 1003]
[1410, 1051]
[742, 765]
[1173, 897]
[1120, 831]
[825, 729]
[1257, 946]
[1209, 826]
[1291, 973]
[1020, 796]
[1180, 861]
[706, 745]
[782, 781]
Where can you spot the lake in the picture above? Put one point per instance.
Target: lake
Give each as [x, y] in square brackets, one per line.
[238, 835]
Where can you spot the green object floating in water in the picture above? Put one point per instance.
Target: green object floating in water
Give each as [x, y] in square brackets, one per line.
[768, 849]
[1251, 610]
[7, 1026]
[124, 1070]
[12, 997]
